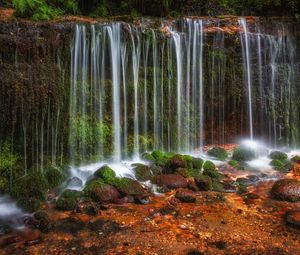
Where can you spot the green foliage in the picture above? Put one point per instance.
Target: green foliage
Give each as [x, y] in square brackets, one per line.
[243, 154]
[35, 9]
[54, 176]
[218, 153]
[278, 155]
[67, 6]
[8, 161]
[69, 193]
[33, 185]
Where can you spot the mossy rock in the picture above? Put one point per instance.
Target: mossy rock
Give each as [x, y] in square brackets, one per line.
[242, 188]
[204, 182]
[160, 157]
[148, 157]
[278, 155]
[197, 163]
[32, 185]
[177, 161]
[69, 193]
[218, 152]
[100, 191]
[44, 224]
[217, 186]
[286, 189]
[66, 204]
[4, 185]
[105, 173]
[296, 159]
[184, 172]
[54, 177]
[282, 165]
[189, 161]
[142, 172]
[29, 204]
[209, 169]
[237, 165]
[243, 154]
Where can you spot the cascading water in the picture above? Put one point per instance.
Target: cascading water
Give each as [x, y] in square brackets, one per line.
[177, 88]
[247, 68]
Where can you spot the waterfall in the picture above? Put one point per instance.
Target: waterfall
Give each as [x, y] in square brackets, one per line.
[247, 70]
[177, 88]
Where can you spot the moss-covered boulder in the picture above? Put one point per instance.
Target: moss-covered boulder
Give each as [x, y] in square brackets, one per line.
[218, 152]
[236, 164]
[282, 165]
[296, 159]
[33, 185]
[44, 224]
[66, 204]
[54, 176]
[131, 187]
[68, 200]
[160, 158]
[184, 172]
[197, 163]
[210, 170]
[105, 173]
[100, 191]
[204, 182]
[177, 161]
[29, 204]
[278, 155]
[142, 172]
[217, 186]
[286, 189]
[243, 153]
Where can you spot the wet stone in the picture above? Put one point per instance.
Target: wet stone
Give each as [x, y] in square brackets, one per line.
[293, 218]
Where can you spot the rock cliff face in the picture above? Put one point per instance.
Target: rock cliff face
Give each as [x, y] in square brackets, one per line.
[35, 71]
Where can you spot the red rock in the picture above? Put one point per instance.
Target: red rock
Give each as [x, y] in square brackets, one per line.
[106, 193]
[286, 189]
[171, 181]
[186, 195]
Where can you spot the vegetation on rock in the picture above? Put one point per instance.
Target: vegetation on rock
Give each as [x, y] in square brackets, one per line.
[243, 154]
[218, 153]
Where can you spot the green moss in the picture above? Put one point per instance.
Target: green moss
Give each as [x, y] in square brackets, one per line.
[32, 185]
[43, 221]
[184, 172]
[209, 169]
[278, 155]
[197, 163]
[243, 154]
[296, 159]
[30, 204]
[66, 204]
[148, 156]
[217, 186]
[105, 173]
[89, 188]
[218, 153]
[281, 165]
[237, 165]
[69, 193]
[242, 188]
[142, 172]
[54, 177]
[204, 182]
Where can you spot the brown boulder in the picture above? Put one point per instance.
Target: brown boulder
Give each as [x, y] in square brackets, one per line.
[171, 181]
[286, 189]
[293, 218]
[106, 193]
[186, 195]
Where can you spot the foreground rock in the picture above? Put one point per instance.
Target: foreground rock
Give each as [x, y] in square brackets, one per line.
[171, 181]
[186, 195]
[286, 189]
